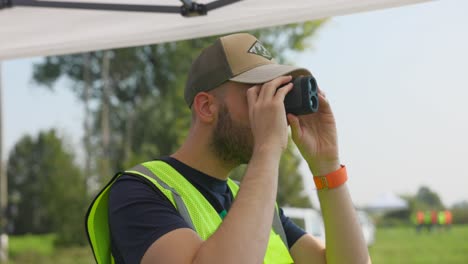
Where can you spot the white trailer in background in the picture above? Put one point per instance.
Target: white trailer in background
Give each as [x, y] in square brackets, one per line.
[313, 222]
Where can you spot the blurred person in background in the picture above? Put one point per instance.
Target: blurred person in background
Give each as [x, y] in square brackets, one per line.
[434, 220]
[441, 219]
[448, 219]
[427, 220]
[419, 220]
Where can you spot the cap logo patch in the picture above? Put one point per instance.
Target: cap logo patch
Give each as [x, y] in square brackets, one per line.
[258, 49]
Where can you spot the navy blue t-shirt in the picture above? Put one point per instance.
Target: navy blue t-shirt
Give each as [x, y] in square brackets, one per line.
[140, 214]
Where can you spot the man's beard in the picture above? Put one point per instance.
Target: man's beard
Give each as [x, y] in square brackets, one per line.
[232, 142]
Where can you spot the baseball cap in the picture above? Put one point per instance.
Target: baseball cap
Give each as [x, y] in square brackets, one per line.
[238, 57]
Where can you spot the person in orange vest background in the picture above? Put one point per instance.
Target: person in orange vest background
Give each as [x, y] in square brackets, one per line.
[433, 219]
[448, 219]
[419, 220]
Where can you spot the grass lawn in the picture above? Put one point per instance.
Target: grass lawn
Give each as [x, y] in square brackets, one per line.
[40, 249]
[404, 245]
[393, 245]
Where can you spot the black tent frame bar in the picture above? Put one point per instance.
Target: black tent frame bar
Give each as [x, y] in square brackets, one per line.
[188, 8]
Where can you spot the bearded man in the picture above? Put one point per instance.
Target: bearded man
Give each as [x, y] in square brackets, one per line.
[184, 209]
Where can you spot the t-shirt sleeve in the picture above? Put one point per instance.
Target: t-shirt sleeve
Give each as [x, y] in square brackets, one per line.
[138, 216]
[293, 232]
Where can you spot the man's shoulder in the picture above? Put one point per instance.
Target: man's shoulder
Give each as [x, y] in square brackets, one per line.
[129, 179]
[130, 187]
[139, 215]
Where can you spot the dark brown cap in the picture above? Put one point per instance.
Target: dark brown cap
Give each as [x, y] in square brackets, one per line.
[237, 57]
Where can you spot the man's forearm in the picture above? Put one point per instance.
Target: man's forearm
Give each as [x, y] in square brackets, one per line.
[344, 239]
[243, 236]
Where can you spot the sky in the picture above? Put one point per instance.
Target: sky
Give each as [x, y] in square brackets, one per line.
[396, 79]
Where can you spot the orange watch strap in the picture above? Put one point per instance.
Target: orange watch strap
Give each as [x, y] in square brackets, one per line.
[331, 180]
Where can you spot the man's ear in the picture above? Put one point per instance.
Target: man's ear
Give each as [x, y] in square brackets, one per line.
[205, 107]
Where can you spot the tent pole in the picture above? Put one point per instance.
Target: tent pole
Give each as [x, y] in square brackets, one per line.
[3, 188]
[188, 8]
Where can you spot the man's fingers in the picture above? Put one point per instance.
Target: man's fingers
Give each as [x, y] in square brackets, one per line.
[283, 91]
[323, 102]
[320, 91]
[269, 89]
[295, 126]
[322, 94]
[252, 95]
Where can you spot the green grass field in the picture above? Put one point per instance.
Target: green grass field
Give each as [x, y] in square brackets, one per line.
[404, 245]
[393, 245]
[39, 249]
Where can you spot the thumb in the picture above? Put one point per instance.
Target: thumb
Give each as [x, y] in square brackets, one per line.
[295, 126]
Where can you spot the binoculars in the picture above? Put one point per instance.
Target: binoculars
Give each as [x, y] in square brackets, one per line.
[303, 98]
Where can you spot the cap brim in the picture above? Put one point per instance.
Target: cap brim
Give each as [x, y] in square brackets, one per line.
[266, 73]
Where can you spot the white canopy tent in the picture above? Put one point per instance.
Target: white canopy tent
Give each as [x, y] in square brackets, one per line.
[41, 31]
[386, 202]
[27, 31]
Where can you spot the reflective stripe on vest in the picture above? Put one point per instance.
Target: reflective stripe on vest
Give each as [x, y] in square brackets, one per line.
[190, 203]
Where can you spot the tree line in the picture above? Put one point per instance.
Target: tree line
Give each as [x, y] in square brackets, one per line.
[424, 200]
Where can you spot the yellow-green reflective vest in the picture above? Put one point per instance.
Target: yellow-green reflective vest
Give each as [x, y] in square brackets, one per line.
[190, 203]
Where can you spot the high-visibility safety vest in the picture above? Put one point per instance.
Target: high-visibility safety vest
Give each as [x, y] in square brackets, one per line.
[189, 202]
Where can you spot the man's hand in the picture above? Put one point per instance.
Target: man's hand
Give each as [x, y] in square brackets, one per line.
[315, 136]
[267, 114]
